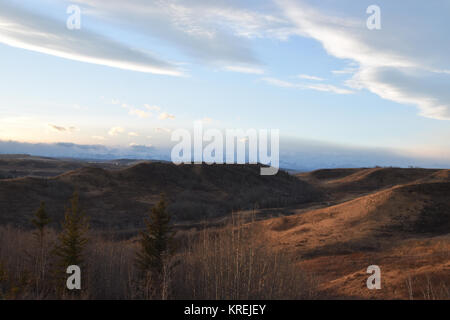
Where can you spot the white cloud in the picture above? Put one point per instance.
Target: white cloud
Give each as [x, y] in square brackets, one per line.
[215, 32]
[115, 131]
[406, 61]
[165, 115]
[328, 88]
[139, 113]
[30, 31]
[101, 138]
[133, 134]
[308, 77]
[430, 92]
[303, 86]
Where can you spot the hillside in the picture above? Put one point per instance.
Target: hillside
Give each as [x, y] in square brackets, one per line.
[349, 183]
[119, 199]
[404, 229]
[23, 165]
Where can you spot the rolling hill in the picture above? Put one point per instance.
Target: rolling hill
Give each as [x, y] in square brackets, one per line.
[404, 229]
[119, 199]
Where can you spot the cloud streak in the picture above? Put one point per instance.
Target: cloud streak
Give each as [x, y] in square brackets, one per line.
[62, 129]
[26, 30]
[212, 32]
[302, 86]
[309, 77]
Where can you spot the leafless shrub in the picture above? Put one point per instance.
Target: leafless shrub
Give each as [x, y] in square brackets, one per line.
[427, 288]
[233, 262]
[236, 263]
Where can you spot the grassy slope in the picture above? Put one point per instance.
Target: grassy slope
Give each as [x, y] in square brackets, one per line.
[403, 229]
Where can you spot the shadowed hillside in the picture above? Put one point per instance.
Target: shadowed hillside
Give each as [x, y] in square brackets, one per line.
[349, 183]
[119, 199]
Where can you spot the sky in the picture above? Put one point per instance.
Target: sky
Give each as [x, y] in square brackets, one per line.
[137, 70]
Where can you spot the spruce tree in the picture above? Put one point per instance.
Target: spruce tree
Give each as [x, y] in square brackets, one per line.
[157, 245]
[40, 221]
[73, 238]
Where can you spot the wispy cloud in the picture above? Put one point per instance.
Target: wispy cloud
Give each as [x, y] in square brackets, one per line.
[214, 32]
[30, 31]
[62, 129]
[405, 65]
[304, 86]
[308, 77]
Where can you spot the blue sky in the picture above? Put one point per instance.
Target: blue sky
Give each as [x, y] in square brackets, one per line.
[138, 69]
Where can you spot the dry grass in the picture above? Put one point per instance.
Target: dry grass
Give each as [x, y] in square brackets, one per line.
[237, 263]
[232, 262]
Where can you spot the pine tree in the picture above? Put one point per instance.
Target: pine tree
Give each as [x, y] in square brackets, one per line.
[73, 238]
[40, 221]
[157, 245]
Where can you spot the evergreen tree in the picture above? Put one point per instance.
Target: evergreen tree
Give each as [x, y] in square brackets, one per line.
[73, 238]
[157, 245]
[40, 221]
